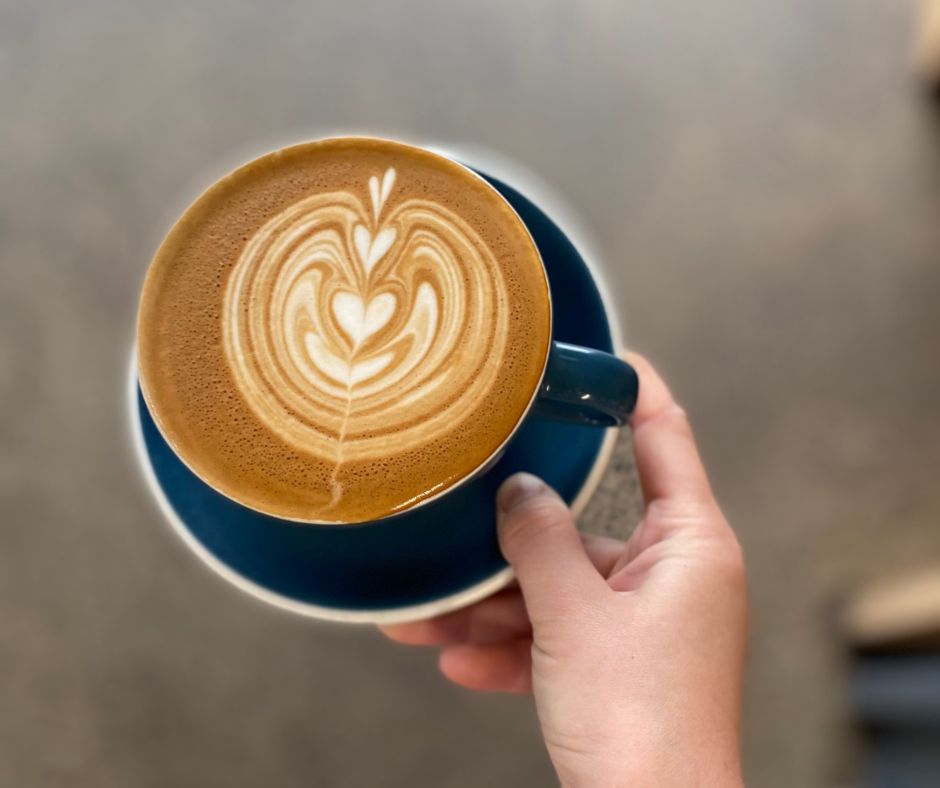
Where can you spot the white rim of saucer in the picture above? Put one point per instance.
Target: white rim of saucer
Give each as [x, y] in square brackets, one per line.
[526, 183]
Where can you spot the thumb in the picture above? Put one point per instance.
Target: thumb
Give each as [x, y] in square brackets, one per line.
[538, 537]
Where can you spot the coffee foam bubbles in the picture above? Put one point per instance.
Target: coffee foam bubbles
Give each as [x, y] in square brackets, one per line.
[356, 331]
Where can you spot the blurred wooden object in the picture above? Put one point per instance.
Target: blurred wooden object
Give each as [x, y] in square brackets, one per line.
[903, 613]
[893, 629]
[927, 44]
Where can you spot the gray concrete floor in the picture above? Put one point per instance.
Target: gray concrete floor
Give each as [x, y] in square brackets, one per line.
[764, 185]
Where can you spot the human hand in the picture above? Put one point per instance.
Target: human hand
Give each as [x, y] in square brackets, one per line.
[634, 651]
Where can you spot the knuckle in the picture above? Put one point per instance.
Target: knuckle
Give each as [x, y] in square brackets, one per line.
[675, 412]
[730, 560]
[672, 414]
[682, 510]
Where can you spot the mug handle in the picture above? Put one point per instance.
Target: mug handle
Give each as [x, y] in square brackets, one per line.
[586, 386]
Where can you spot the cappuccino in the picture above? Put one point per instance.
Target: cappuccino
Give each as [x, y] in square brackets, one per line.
[342, 329]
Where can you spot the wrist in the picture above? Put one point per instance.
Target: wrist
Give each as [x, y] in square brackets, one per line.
[670, 770]
[646, 779]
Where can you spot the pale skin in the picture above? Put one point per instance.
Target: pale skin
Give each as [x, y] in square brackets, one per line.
[633, 650]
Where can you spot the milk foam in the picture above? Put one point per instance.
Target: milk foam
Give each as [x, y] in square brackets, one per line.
[356, 332]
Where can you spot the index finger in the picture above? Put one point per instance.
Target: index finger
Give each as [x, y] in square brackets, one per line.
[667, 457]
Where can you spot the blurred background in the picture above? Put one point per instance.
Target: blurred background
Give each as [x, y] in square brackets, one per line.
[762, 181]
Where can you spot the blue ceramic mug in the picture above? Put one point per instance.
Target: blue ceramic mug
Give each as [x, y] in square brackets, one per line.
[441, 553]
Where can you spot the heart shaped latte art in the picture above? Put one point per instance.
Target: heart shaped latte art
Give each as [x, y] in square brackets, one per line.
[356, 327]
[360, 321]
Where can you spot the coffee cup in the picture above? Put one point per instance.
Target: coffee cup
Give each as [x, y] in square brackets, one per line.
[272, 553]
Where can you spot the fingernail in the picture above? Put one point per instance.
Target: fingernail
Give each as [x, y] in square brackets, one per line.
[516, 490]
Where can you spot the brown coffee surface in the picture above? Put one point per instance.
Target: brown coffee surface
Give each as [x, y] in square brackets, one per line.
[341, 329]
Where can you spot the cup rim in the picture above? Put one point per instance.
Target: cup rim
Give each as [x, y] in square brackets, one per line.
[472, 473]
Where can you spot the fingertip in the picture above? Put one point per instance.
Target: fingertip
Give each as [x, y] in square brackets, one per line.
[634, 358]
[457, 665]
[654, 395]
[402, 633]
[643, 366]
[489, 668]
[450, 661]
[431, 632]
[529, 515]
[517, 489]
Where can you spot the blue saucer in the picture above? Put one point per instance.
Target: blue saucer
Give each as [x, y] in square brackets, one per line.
[433, 553]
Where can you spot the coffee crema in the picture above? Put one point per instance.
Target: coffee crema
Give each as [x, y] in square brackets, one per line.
[339, 330]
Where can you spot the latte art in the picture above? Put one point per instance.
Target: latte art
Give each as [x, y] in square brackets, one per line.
[354, 331]
[339, 330]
